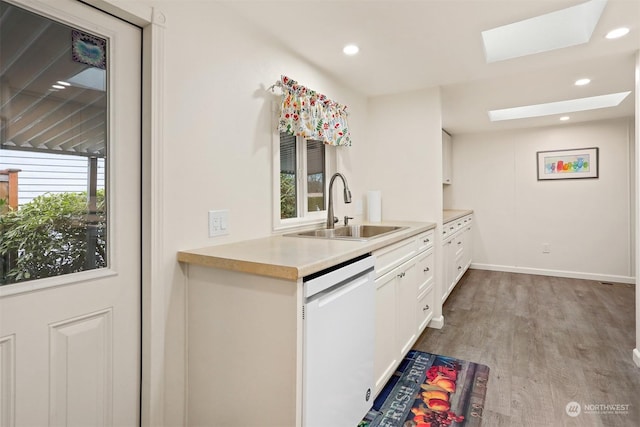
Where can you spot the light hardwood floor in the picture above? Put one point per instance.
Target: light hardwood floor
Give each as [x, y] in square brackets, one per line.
[548, 341]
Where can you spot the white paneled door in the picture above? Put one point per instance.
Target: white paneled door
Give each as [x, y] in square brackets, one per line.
[70, 337]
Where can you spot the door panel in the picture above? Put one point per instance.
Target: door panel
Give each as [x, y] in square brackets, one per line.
[70, 344]
[80, 386]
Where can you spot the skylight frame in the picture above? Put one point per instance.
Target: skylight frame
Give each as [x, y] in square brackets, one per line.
[567, 27]
[558, 107]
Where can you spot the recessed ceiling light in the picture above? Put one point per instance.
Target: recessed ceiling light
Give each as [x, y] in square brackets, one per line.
[563, 28]
[60, 82]
[582, 82]
[617, 33]
[58, 86]
[350, 49]
[564, 118]
[559, 107]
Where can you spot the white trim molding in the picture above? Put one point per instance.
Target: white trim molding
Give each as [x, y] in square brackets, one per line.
[556, 273]
[154, 292]
[437, 322]
[152, 21]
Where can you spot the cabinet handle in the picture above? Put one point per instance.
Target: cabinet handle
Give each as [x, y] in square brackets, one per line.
[426, 307]
[426, 269]
[459, 242]
[425, 241]
[401, 275]
[459, 267]
[451, 228]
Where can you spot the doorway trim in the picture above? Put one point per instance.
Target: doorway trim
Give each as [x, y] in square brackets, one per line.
[152, 21]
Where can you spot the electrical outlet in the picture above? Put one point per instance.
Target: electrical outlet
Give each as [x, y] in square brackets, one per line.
[546, 248]
[219, 222]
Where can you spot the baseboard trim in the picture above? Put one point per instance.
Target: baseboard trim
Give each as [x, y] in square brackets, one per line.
[437, 322]
[636, 357]
[556, 273]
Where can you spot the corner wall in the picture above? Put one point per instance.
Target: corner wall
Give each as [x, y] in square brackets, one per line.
[403, 159]
[585, 222]
[217, 126]
[636, 351]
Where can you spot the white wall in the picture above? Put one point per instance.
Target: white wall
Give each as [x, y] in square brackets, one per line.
[218, 127]
[636, 216]
[403, 152]
[403, 160]
[586, 222]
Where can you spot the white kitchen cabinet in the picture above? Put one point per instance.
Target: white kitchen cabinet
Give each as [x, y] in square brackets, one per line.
[426, 300]
[404, 284]
[407, 294]
[457, 252]
[447, 158]
[386, 354]
[246, 320]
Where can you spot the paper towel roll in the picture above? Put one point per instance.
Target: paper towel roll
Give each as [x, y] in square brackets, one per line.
[374, 206]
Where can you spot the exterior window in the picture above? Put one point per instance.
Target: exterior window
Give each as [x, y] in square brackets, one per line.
[302, 180]
[53, 148]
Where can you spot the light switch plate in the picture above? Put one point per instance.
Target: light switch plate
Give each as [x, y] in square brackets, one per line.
[219, 222]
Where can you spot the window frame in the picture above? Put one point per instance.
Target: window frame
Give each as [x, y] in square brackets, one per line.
[303, 218]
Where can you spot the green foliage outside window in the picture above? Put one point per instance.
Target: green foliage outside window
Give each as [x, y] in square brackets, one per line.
[49, 236]
[287, 195]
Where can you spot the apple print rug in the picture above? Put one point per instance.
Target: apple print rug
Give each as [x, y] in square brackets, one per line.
[429, 390]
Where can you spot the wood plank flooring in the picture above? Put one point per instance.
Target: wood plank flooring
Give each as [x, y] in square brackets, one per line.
[548, 341]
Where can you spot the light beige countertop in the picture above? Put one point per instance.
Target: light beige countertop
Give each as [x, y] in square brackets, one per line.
[453, 214]
[292, 258]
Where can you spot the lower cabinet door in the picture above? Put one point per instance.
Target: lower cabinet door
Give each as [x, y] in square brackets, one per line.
[424, 311]
[407, 294]
[386, 356]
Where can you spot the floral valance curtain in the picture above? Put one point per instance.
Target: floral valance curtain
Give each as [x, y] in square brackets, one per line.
[307, 113]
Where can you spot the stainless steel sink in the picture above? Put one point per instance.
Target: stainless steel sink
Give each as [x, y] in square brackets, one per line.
[349, 232]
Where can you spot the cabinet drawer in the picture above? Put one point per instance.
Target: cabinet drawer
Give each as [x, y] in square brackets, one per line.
[425, 308]
[392, 256]
[425, 240]
[458, 245]
[450, 227]
[425, 271]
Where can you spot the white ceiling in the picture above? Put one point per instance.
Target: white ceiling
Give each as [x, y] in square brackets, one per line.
[408, 45]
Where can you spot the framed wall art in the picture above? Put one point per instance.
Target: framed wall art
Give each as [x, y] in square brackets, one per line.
[568, 164]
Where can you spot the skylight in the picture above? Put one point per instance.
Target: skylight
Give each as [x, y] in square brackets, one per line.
[563, 28]
[560, 107]
[90, 78]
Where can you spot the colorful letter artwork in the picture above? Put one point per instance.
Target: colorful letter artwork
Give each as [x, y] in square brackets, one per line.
[568, 164]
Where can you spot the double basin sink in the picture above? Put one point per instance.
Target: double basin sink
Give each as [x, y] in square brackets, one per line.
[349, 232]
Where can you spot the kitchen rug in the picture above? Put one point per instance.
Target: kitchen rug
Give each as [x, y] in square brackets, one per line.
[429, 390]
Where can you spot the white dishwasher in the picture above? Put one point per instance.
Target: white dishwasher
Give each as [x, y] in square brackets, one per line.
[338, 349]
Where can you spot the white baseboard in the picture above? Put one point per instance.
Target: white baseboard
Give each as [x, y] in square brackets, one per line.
[437, 322]
[556, 273]
[636, 357]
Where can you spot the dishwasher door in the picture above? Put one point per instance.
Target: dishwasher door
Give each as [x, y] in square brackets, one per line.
[338, 352]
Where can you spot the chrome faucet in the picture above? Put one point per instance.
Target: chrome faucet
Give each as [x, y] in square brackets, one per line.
[331, 220]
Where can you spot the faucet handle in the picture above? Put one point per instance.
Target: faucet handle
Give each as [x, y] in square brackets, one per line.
[346, 219]
[335, 220]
